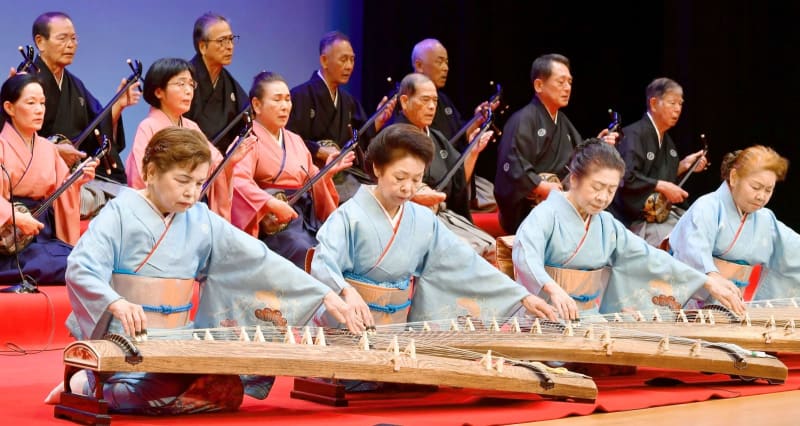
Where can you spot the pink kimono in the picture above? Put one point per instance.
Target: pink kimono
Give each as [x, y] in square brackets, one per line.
[285, 167]
[219, 195]
[35, 175]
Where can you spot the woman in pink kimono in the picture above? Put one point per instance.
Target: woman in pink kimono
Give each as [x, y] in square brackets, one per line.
[281, 162]
[169, 87]
[32, 171]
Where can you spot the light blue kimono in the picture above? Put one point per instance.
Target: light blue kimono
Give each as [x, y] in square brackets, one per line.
[238, 274]
[551, 233]
[450, 278]
[707, 231]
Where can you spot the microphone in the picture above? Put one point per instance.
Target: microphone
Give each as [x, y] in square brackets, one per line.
[25, 285]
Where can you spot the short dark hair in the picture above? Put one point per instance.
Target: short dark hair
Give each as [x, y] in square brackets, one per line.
[658, 87]
[398, 141]
[409, 84]
[41, 25]
[201, 25]
[12, 90]
[176, 147]
[542, 66]
[257, 89]
[594, 154]
[329, 38]
[158, 76]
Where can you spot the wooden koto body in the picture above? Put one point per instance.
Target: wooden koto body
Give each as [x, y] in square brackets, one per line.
[306, 360]
[607, 345]
[772, 329]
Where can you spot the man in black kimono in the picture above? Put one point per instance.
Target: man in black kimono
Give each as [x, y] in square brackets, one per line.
[537, 139]
[418, 98]
[652, 164]
[325, 115]
[70, 107]
[429, 57]
[218, 98]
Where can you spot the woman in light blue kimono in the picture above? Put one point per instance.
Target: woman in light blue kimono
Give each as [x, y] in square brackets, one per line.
[374, 245]
[136, 265]
[729, 231]
[586, 262]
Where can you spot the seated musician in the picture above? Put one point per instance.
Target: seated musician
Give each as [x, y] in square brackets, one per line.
[652, 164]
[586, 261]
[418, 99]
[135, 267]
[537, 143]
[374, 245]
[281, 162]
[218, 98]
[32, 171]
[169, 88]
[730, 230]
[324, 113]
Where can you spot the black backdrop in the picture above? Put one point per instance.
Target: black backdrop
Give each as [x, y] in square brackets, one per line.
[736, 61]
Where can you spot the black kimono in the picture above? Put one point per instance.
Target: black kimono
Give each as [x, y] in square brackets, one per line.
[531, 144]
[447, 119]
[444, 157]
[69, 110]
[645, 164]
[214, 107]
[315, 118]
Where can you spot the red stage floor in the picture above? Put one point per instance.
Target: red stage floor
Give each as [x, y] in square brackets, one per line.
[26, 380]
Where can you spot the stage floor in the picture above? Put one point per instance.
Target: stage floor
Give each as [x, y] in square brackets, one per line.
[26, 324]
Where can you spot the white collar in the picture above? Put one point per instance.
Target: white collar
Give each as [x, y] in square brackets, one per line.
[653, 122]
[335, 96]
[392, 220]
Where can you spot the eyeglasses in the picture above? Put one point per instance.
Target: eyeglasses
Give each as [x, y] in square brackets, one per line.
[65, 38]
[183, 84]
[223, 41]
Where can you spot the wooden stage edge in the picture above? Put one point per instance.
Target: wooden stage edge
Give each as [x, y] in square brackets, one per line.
[776, 409]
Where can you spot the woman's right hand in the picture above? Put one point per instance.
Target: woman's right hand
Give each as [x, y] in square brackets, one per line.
[130, 315]
[354, 299]
[726, 292]
[27, 224]
[565, 305]
[282, 210]
[343, 312]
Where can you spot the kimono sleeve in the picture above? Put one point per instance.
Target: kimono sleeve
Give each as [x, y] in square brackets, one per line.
[530, 245]
[88, 276]
[640, 272]
[694, 237]
[781, 277]
[324, 193]
[453, 280]
[248, 205]
[133, 166]
[242, 277]
[334, 253]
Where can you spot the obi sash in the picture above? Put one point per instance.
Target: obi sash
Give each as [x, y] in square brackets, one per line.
[166, 301]
[739, 273]
[585, 287]
[389, 305]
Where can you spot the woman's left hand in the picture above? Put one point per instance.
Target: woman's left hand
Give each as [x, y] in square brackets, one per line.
[244, 149]
[88, 172]
[345, 163]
